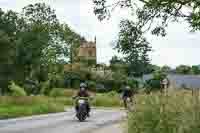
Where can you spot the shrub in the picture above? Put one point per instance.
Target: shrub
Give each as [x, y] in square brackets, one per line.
[91, 85]
[154, 84]
[100, 88]
[112, 93]
[57, 92]
[16, 90]
[45, 88]
[159, 75]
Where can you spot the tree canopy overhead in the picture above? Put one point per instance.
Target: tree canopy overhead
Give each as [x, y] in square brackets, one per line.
[153, 15]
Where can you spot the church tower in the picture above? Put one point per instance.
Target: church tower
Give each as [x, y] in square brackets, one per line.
[87, 53]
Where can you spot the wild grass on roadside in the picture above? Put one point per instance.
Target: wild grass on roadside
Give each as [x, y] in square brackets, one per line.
[175, 113]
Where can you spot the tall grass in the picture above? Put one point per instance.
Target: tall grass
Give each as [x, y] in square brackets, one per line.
[178, 112]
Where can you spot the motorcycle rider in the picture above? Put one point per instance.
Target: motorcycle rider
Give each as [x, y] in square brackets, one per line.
[127, 93]
[83, 93]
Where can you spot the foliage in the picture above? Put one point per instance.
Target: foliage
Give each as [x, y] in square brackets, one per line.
[57, 92]
[175, 113]
[183, 69]
[154, 84]
[119, 68]
[165, 69]
[153, 15]
[151, 68]
[91, 85]
[116, 60]
[148, 16]
[159, 75]
[16, 90]
[134, 46]
[195, 70]
[45, 88]
[134, 84]
[33, 44]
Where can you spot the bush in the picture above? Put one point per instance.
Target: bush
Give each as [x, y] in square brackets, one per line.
[31, 86]
[154, 84]
[100, 88]
[57, 92]
[45, 88]
[112, 93]
[159, 75]
[57, 81]
[16, 90]
[134, 84]
[110, 85]
[91, 85]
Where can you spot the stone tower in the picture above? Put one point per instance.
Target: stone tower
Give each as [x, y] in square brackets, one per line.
[87, 53]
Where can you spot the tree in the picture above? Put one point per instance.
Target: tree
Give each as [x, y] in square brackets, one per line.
[134, 46]
[151, 68]
[165, 69]
[9, 24]
[33, 44]
[154, 15]
[116, 60]
[183, 69]
[195, 70]
[118, 65]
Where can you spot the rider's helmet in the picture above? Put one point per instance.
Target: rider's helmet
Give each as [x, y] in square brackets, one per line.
[83, 86]
[127, 87]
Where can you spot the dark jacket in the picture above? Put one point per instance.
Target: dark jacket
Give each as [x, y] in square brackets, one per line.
[127, 93]
[83, 94]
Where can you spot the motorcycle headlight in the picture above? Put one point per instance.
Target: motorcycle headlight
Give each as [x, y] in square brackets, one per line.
[81, 101]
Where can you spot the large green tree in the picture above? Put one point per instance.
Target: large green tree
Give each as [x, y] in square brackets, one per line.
[134, 46]
[33, 44]
[9, 26]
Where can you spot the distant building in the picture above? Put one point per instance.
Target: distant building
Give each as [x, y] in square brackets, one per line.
[87, 53]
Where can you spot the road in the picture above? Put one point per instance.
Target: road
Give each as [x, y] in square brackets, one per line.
[62, 122]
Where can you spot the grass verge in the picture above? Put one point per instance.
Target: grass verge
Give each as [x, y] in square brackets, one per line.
[11, 107]
[178, 112]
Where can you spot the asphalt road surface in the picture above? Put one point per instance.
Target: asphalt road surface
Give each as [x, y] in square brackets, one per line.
[63, 122]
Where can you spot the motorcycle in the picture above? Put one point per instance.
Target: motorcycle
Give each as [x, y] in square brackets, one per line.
[82, 112]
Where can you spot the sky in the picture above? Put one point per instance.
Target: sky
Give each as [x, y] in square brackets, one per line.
[178, 47]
